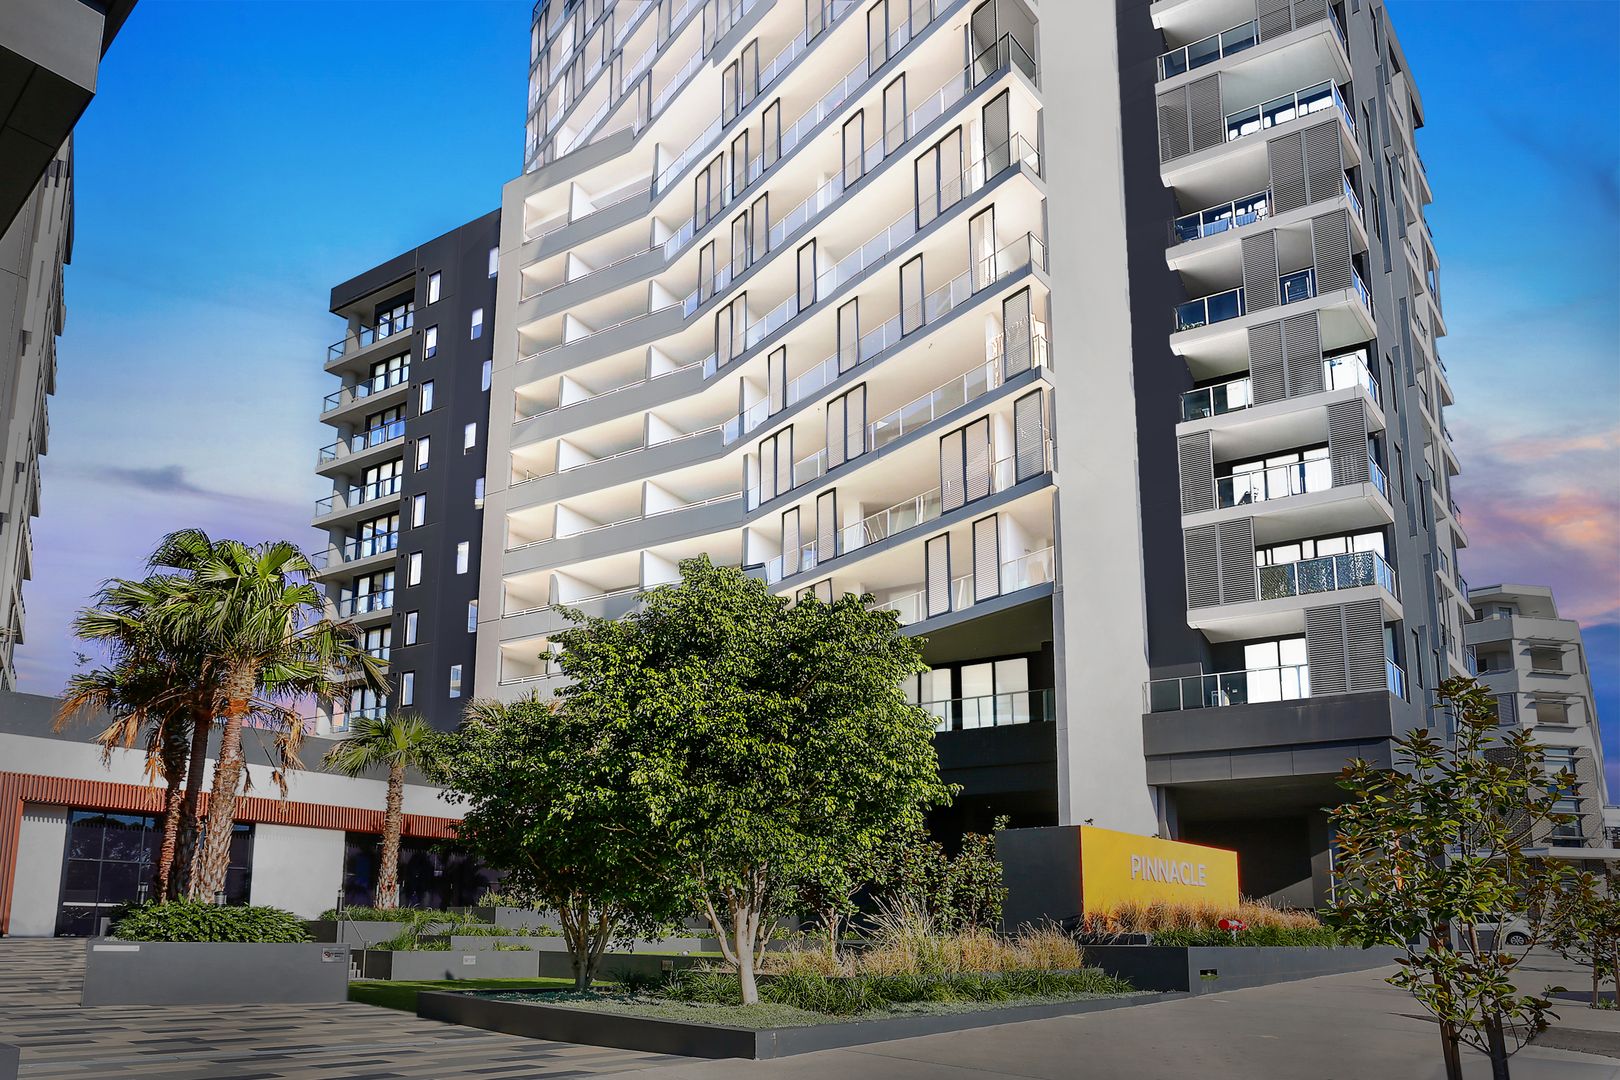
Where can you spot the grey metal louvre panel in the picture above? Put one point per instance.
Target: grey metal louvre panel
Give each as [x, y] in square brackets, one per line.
[1347, 442]
[1260, 288]
[937, 552]
[978, 460]
[1207, 120]
[826, 525]
[952, 469]
[1324, 164]
[1029, 435]
[1267, 363]
[1330, 241]
[1175, 139]
[1016, 354]
[1309, 11]
[1302, 349]
[1324, 650]
[1274, 16]
[986, 559]
[1364, 645]
[1197, 460]
[1201, 549]
[835, 433]
[1287, 162]
[791, 541]
[1507, 708]
[1238, 576]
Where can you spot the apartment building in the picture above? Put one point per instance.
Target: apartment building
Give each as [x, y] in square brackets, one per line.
[1535, 663]
[1097, 344]
[50, 53]
[405, 516]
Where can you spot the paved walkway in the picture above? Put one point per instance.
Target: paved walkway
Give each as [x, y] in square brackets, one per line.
[1343, 1027]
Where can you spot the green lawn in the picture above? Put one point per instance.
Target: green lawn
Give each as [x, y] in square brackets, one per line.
[402, 995]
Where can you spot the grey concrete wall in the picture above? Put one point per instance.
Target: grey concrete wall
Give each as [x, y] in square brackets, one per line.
[450, 964]
[1202, 970]
[188, 973]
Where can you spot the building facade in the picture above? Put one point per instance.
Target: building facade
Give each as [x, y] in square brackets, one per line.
[405, 517]
[1535, 664]
[1114, 375]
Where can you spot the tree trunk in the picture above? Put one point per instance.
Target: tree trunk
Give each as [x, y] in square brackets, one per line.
[215, 857]
[173, 796]
[742, 924]
[1450, 1051]
[202, 723]
[393, 819]
[1597, 979]
[1498, 1045]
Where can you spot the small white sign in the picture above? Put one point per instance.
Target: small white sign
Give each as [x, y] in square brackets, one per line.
[115, 948]
[469, 961]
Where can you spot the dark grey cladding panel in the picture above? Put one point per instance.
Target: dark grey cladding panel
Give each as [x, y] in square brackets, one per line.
[1340, 718]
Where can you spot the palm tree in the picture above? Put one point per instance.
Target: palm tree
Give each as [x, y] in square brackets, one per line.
[396, 742]
[256, 616]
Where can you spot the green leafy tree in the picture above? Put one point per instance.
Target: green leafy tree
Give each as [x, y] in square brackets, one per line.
[1581, 922]
[257, 619]
[913, 870]
[773, 738]
[1432, 849]
[556, 800]
[394, 743]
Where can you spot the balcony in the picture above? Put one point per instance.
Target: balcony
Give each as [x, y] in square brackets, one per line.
[896, 519]
[357, 495]
[358, 548]
[368, 603]
[366, 336]
[1286, 481]
[1280, 110]
[1194, 56]
[1327, 574]
[992, 710]
[364, 391]
[1014, 575]
[1282, 593]
[1255, 686]
[1295, 287]
[370, 439]
[1236, 395]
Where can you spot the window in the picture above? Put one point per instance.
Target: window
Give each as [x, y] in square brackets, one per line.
[413, 569]
[455, 680]
[489, 367]
[430, 343]
[425, 397]
[469, 437]
[477, 324]
[418, 510]
[1546, 659]
[410, 627]
[435, 279]
[472, 616]
[478, 493]
[463, 551]
[422, 448]
[494, 260]
[407, 688]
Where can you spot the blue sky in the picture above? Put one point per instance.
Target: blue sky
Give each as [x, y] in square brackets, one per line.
[239, 159]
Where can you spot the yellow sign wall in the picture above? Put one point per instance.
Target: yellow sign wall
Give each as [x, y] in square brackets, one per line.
[1121, 868]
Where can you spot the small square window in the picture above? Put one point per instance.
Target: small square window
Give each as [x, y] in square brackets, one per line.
[489, 368]
[472, 616]
[430, 343]
[477, 323]
[469, 436]
[455, 680]
[413, 569]
[494, 261]
[463, 553]
[425, 397]
[422, 450]
[410, 627]
[435, 280]
[418, 510]
[407, 688]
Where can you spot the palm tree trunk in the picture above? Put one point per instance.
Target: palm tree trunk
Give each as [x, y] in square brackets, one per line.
[174, 775]
[215, 857]
[202, 724]
[393, 819]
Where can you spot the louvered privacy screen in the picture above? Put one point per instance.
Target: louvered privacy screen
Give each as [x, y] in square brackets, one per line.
[986, 559]
[1330, 243]
[776, 379]
[1197, 472]
[791, 541]
[952, 469]
[1191, 118]
[1324, 649]
[826, 526]
[1347, 442]
[937, 552]
[1344, 646]
[1029, 435]
[1285, 358]
[1016, 353]
[1220, 564]
[1287, 157]
[849, 335]
[978, 460]
[1260, 287]
[1306, 167]
[1280, 16]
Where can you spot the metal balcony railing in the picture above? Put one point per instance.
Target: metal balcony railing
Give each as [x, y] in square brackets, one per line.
[1329, 573]
[364, 547]
[362, 390]
[1292, 288]
[1312, 99]
[1194, 56]
[991, 710]
[368, 335]
[350, 606]
[364, 440]
[358, 495]
[1014, 575]
[1338, 373]
[1219, 219]
[1289, 682]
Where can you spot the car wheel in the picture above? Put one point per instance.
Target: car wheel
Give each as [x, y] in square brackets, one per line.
[1518, 938]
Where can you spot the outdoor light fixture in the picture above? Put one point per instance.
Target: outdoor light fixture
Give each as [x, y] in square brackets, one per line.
[219, 897]
[140, 893]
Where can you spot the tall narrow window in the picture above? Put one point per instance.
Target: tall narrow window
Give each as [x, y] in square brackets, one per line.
[435, 279]
[413, 568]
[430, 343]
[478, 493]
[410, 627]
[422, 449]
[425, 397]
[494, 260]
[770, 147]
[854, 148]
[455, 680]
[894, 115]
[418, 510]
[911, 295]
[407, 688]
[489, 370]
[807, 274]
[982, 246]
[463, 554]
[469, 436]
[477, 330]
[849, 335]
[472, 616]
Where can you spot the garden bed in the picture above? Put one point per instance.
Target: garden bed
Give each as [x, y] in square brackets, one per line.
[708, 1030]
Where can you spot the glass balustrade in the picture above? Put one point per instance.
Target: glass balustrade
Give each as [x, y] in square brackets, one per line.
[1328, 573]
[363, 547]
[1194, 56]
[1289, 683]
[1338, 373]
[1291, 287]
[1025, 572]
[362, 390]
[358, 495]
[350, 606]
[1218, 219]
[368, 335]
[1279, 482]
[991, 710]
[1306, 102]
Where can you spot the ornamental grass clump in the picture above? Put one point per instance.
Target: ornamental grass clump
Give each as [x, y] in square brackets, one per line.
[1199, 924]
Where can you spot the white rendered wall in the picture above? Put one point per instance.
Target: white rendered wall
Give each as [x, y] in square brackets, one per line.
[295, 868]
[41, 844]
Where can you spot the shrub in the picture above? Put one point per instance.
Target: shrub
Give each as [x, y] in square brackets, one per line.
[368, 914]
[1264, 935]
[185, 920]
[1199, 924]
[854, 994]
[912, 869]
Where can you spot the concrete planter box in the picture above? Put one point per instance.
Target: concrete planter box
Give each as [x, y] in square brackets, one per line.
[215, 973]
[475, 942]
[561, 1023]
[1208, 969]
[437, 964]
[358, 934]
